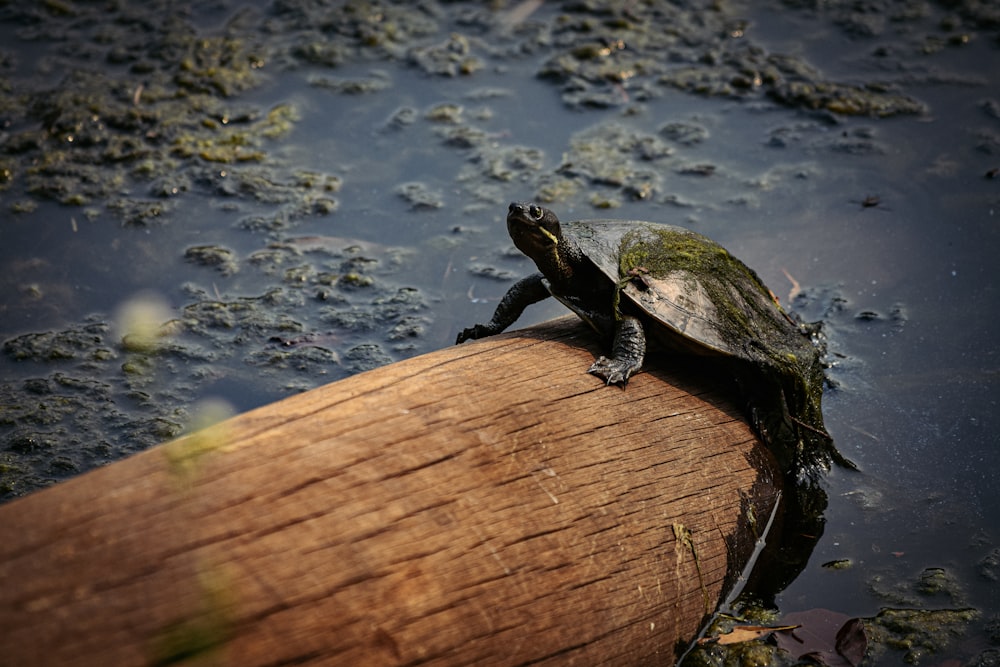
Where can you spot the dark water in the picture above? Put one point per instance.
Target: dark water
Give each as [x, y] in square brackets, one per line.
[890, 226]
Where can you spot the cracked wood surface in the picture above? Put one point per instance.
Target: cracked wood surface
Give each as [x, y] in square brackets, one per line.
[489, 503]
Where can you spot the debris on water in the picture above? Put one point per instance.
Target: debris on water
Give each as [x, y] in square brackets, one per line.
[684, 133]
[326, 339]
[445, 113]
[351, 86]
[146, 118]
[217, 257]
[917, 633]
[492, 272]
[838, 564]
[452, 57]
[102, 396]
[612, 155]
[420, 196]
[697, 169]
[401, 118]
[989, 565]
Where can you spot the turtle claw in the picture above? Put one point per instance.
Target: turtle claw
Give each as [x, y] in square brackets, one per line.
[611, 371]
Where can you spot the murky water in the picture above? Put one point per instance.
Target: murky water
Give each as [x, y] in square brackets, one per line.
[373, 221]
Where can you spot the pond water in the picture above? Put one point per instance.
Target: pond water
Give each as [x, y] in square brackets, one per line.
[302, 191]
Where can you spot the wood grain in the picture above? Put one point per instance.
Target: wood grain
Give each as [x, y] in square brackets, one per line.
[489, 503]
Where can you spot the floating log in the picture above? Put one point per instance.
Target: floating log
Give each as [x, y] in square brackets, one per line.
[489, 503]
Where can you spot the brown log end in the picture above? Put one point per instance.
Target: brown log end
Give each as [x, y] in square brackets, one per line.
[489, 503]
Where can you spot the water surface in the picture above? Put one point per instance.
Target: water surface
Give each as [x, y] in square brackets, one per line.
[337, 203]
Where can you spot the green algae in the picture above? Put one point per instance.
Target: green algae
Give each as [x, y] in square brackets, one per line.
[155, 115]
[351, 86]
[611, 56]
[613, 155]
[669, 253]
[918, 633]
[147, 112]
[237, 144]
[222, 259]
[914, 634]
[222, 65]
[781, 366]
[102, 394]
[86, 341]
[453, 57]
[845, 100]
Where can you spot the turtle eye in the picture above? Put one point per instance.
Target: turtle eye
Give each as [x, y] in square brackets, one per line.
[535, 212]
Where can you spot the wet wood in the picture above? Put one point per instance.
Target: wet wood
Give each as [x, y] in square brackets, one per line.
[489, 503]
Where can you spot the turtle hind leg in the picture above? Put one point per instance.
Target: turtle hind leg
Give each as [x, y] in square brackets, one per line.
[627, 353]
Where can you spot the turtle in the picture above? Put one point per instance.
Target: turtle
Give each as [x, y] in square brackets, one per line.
[630, 278]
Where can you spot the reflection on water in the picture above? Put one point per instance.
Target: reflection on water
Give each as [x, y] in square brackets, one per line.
[348, 186]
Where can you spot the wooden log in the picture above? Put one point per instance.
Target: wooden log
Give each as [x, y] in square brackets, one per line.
[489, 503]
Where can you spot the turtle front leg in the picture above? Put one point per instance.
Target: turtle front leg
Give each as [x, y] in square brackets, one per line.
[526, 291]
[627, 353]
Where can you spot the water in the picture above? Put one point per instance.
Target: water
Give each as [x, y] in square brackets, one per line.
[916, 406]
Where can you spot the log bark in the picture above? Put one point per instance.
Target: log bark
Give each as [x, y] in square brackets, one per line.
[489, 503]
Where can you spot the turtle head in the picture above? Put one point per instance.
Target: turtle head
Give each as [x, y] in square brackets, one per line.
[535, 231]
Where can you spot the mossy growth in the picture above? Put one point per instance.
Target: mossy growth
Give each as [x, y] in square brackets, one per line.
[217, 65]
[747, 653]
[238, 142]
[918, 632]
[744, 307]
[723, 305]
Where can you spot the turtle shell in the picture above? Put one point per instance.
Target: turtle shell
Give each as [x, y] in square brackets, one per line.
[697, 295]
